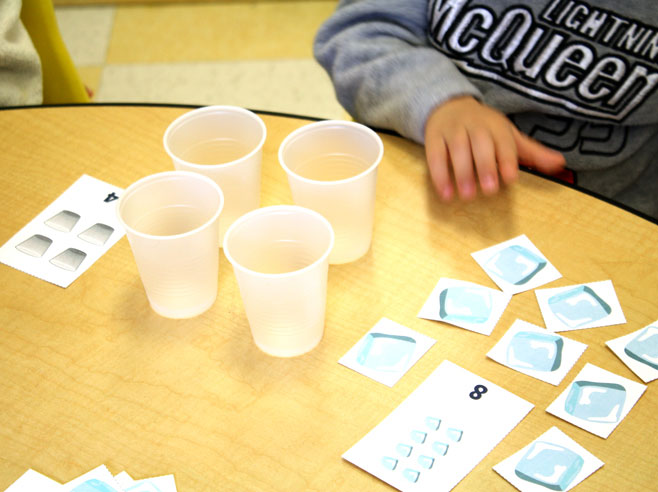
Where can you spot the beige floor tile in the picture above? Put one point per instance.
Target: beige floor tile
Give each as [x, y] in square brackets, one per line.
[286, 86]
[86, 32]
[245, 30]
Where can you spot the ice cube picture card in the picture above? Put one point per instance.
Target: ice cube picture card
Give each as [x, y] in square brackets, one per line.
[387, 352]
[440, 432]
[553, 461]
[516, 265]
[466, 305]
[597, 400]
[578, 307]
[639, 351]
[69, 235]
[534, 351]
[97, 480]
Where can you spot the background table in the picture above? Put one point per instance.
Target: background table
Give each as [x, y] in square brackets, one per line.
[90, 375]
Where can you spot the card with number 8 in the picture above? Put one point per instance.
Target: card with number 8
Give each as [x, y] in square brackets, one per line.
[440, 432]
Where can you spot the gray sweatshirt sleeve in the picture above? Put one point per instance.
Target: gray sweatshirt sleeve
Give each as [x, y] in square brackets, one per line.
[20, 66]
[383, 69]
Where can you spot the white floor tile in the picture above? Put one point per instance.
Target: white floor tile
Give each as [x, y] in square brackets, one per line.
[86, 32]
[287, 86]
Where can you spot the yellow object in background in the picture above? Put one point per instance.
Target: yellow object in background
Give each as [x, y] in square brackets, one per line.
[61, 81]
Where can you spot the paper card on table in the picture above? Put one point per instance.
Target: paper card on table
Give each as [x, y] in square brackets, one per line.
[577, 307]
[465, 304]
[553, 461]
[639, 351]
[97, 480]
[32, 480]
[387, 352]
[440, 432]
[165, 483]
[516, 265]
[597, 400]
[69, 235]
[532, 350]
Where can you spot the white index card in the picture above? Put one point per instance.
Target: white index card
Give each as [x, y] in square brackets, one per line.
[553, 461]
[597, 400]
[440, 432]
[69, 235]
[465, 304]
[639, 351]
[516, 265]
[578, 307]
[534, 351]
[387, 352]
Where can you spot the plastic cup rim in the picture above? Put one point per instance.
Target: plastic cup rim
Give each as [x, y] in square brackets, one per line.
[274, 208]
[209, 109]
[316, 124]
[152, 177]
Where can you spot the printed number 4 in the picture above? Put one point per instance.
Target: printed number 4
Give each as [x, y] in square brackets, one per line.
[477, 392]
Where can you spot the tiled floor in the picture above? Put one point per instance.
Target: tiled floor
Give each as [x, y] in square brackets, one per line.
[255, 54]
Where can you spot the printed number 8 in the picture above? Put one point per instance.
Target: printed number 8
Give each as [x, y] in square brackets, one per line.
[478, 391]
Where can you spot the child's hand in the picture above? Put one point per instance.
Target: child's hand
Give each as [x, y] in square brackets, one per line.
[464, 134]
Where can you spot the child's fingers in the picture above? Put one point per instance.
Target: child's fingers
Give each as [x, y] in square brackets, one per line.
[534, 154]
[436, 154]
[461, 158]
[484, 157]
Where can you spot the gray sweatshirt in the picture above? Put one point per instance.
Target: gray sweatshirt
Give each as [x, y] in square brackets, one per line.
[20, 66]
[579, 76]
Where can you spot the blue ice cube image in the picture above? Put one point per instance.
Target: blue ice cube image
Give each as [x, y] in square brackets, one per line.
[578, 306]
[596, 402]
[465, 304]
[515, 264]
[644, 347]
[432, 423]
[440, 448]
[549, 465]
[411, 474]
[389, 463]
[418, 436]
[94, 485]
[387, 353]
[537, 351]
[426, 462]
[404, 450]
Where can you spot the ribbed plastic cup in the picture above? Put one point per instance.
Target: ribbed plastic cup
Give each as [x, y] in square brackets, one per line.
[172, 224]
[280, 259]
[332, 169]
[224, 143]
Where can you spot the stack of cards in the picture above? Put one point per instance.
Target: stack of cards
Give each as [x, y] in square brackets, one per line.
[97, 480]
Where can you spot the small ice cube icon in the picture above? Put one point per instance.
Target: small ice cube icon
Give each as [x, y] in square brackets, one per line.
[578, 306]
[418, 436]
[388, 353]
[411, 475]
[404, 450]
[537, 351]
[35, 245]
[426, 461]
[515, 264]
[63, 221]
[94, 485]
[389, 463]
[97, 234]
[644, 347]
[440, 448]
[549, 465]
[69, 259]
[433, 423]
[596, 402]
[465, 304]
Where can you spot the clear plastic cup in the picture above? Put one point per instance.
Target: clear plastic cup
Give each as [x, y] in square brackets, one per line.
[280, 259]
[224, 143]
[332, 169]
[172, 224]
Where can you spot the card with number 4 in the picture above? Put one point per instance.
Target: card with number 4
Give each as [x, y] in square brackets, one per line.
[440, 432]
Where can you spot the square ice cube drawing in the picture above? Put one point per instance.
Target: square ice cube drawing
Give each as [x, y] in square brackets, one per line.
[578, 307]
[553, 461]
[465, 304]
[387, 352]
[516, 265]
[639, 351]
[597, 400]
[534, 351]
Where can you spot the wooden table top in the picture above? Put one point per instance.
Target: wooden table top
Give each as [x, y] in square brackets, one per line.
[90, 375]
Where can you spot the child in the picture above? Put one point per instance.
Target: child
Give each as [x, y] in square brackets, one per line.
[20, 67]
[473, 80]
